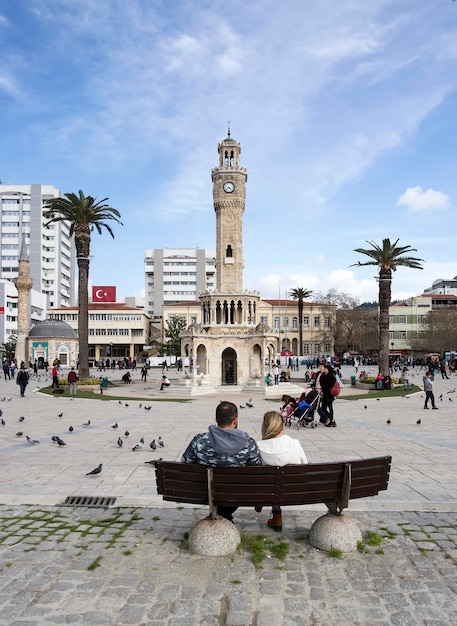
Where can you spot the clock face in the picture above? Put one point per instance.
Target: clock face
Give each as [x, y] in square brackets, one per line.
[229, 187]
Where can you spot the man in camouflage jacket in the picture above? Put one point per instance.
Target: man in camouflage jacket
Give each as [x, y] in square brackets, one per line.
[223, 445]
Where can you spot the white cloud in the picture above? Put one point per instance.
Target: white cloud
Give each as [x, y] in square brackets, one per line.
[417, 200]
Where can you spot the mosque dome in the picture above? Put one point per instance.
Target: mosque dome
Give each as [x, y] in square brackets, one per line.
[52, 329]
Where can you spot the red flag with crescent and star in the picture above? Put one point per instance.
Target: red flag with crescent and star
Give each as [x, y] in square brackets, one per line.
[103, 294]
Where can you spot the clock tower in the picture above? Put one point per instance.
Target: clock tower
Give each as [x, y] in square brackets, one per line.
[229, 196]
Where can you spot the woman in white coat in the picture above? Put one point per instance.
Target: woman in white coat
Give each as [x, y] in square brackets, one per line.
[278, 449]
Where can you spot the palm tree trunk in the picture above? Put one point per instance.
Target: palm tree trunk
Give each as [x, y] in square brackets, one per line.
[385, 284]
[83, 317]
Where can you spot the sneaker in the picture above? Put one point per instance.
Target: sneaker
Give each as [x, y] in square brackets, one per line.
[435, 408]
[425, 407]
[258, 509]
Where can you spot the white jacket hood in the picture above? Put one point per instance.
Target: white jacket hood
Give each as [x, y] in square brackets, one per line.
[281, 451]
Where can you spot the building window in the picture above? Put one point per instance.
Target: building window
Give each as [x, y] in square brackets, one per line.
[306, 348]
[285, 322]
[306, 320]
[403, 334]
[276, 322]
[391, 319]
[317, 348]
[294, 323]
[327, 347]
[264, 319]
[391, 334]
[317, 320]
[402, 319]
[327, 321]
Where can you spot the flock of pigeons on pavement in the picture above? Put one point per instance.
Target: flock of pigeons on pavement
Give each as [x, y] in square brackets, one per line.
[154, 445]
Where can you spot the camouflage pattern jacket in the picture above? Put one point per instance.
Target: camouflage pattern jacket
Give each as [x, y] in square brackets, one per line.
[222, 447]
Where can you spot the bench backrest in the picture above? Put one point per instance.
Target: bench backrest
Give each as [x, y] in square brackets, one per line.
[331, 483]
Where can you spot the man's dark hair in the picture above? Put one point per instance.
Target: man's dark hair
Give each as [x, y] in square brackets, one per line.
[226, 413]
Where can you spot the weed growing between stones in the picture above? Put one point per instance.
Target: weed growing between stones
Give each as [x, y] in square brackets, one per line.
[335, 553]
[423, 536]
[262, 547]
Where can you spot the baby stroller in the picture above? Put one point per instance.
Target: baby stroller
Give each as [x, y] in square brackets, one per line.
[304, 413]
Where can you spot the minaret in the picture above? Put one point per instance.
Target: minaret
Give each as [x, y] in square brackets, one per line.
[23, 284]
[229, 195]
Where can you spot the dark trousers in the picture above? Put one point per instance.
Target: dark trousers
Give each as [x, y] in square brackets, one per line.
[226, 512]
[429, 396]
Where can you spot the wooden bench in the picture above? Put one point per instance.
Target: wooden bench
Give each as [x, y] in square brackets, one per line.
[333, 484]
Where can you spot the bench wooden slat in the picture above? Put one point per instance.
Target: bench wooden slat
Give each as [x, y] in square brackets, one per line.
[267, 485]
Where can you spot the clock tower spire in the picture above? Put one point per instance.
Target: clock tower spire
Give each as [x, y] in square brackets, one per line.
[229, 195]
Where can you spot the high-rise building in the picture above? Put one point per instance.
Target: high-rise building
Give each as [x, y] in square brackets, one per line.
[51, 249]
[177, 275]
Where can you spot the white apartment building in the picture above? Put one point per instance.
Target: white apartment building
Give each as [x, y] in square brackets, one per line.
[8, 309]
[51, 249]
[175, 275]
[443, 286]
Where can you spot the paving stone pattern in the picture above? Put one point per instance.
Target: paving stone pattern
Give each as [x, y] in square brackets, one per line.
[129, 564]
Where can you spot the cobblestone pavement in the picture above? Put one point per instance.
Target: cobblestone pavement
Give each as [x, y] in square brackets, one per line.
[129, 564]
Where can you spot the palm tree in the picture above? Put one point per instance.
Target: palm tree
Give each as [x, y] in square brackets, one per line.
[387, 258]
[83, 214]
[299, 293]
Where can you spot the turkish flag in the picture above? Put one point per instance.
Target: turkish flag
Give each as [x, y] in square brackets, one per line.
[103, 294]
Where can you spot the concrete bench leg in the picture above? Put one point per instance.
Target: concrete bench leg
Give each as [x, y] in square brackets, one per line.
[335, 531]
[214, 537]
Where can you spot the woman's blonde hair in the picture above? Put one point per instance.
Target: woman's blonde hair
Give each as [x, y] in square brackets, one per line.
[273, 425]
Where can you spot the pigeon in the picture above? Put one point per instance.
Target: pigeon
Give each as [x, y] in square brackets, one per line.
[86, 423]
[249, 404]
[19, 434]
[54, 438]
[32, 442]
[2, 422]
[242, 406]
[161, 442]
[140, 405]
[365, 407]
[21, 419]
[388, 422]
[60, 442]
[120, 442]
[418, 421]
[377, 399]
[115, 425]
[120, 402]
[152, 445]
[126, 404]
[9, 399]
[126, 434]
[147, 408]
[451, 400]
[452, 391]
[137, 447]
[440, 396]
[60, 415]
[71, 429]
[95, 471]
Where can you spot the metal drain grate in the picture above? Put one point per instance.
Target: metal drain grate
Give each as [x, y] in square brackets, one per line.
[89, 501]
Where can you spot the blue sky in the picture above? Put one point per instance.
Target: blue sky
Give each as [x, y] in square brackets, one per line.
[345, 111]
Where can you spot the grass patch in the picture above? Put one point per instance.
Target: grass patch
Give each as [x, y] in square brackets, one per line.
[156, 518]
[373, 539]
[90, 394]
[127, 552]
[184, 545]
[96, 563]
[335, 553]
[361, 547]
[236, 582]
[261, 548]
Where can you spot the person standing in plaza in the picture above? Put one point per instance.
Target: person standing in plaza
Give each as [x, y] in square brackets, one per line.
[55, 376]
[405, 378]
[275, 372]
[144, 372]
[6, 369]
[22, 380]
[223, 445]
[72, 382]
[326, 379]
[428, 388]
